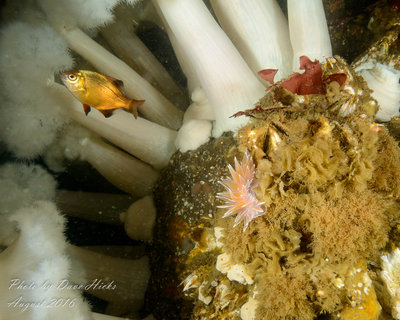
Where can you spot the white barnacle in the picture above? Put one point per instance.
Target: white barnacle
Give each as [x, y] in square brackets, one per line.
[234, 272]
[203, 293]
[191, 281]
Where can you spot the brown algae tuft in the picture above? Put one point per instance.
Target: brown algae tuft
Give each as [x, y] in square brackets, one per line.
[329, 178]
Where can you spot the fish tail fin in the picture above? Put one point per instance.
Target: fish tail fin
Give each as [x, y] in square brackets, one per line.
[133, 105]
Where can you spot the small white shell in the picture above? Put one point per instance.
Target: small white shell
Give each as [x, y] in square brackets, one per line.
[191, 281]
[203, 296]
[248, 310]
[234, 272]
[218, 233]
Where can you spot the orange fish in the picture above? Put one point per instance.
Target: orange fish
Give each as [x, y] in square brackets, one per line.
[99, 91]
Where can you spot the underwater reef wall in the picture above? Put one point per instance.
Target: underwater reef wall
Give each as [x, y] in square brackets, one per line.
[327, 179]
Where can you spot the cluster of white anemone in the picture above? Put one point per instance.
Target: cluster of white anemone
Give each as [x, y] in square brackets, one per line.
[40, 118]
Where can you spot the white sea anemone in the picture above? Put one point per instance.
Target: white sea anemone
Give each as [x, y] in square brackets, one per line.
[239, 196]
[384, 81]
[391, 277]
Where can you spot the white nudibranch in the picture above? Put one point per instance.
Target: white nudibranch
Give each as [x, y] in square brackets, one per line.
[385, 83]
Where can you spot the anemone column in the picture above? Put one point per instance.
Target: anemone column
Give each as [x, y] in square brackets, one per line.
[225, 77]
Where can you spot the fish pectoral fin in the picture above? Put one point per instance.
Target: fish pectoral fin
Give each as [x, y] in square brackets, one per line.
[133, 105]
[107, 113]
[86, 108]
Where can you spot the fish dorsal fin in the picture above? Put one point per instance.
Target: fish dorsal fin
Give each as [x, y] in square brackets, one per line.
[118, 83]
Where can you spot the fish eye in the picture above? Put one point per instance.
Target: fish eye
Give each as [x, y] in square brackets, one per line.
[72, 77]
